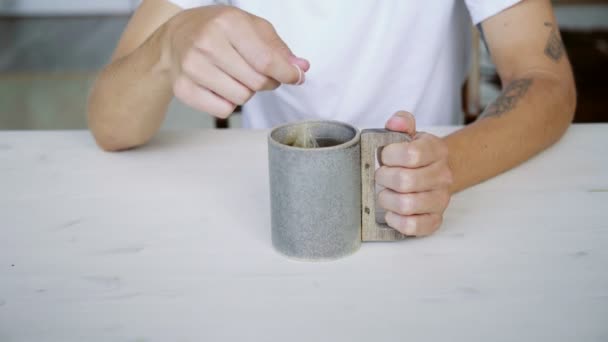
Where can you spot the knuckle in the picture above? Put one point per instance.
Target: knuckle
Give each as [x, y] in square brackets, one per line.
[404, 204]
[226, 18]
[263, 61]
[180, 87]
[189, 62]
[405, 181]
[414, 154]
[205, 44]
[413, 225]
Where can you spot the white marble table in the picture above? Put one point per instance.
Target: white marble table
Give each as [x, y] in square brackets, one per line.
[172, 243]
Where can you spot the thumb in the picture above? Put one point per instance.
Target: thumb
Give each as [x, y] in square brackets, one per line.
[302, 63]
[402, 121]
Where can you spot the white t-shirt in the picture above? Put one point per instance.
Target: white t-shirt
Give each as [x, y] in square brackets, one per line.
[369, 58]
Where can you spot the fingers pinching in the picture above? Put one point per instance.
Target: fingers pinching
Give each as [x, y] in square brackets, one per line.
[262, 48]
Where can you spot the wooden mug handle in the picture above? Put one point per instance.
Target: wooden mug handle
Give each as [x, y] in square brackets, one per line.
[371, 141]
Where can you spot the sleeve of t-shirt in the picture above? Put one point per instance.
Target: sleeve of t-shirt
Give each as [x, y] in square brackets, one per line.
[185, 4]
[481, 10]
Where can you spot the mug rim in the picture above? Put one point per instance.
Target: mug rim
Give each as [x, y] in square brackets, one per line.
[346, 144]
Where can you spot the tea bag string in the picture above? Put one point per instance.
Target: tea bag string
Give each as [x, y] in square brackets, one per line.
[304, 137]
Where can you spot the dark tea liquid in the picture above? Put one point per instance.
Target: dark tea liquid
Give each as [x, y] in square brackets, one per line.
[328, 142]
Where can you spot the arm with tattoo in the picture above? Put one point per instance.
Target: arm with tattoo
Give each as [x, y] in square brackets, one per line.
[509, 97]
[536, 104]
[554, 48]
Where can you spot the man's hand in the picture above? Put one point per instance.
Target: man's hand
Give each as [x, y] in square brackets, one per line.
[417, 178]
[219, 56]
[213, 58]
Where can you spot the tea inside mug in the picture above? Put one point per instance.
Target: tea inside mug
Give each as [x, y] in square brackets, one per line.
[314, 134]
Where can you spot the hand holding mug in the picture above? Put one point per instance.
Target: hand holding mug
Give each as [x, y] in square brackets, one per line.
[417, 178]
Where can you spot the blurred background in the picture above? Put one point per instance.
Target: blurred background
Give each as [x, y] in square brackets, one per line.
[50, 51]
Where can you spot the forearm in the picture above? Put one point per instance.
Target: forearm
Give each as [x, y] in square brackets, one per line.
[130, 97]
[531, 114]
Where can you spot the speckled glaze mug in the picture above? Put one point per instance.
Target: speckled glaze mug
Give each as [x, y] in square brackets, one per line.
[322, 204]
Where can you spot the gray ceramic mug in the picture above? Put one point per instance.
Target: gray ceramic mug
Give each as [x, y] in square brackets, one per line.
[322, 204]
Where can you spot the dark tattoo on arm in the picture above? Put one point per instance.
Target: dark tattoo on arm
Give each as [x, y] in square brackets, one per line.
[509, 97]
[554, 48]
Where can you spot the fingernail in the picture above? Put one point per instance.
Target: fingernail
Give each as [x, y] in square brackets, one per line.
[401, 121]
[301, 62]
[397, 119]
